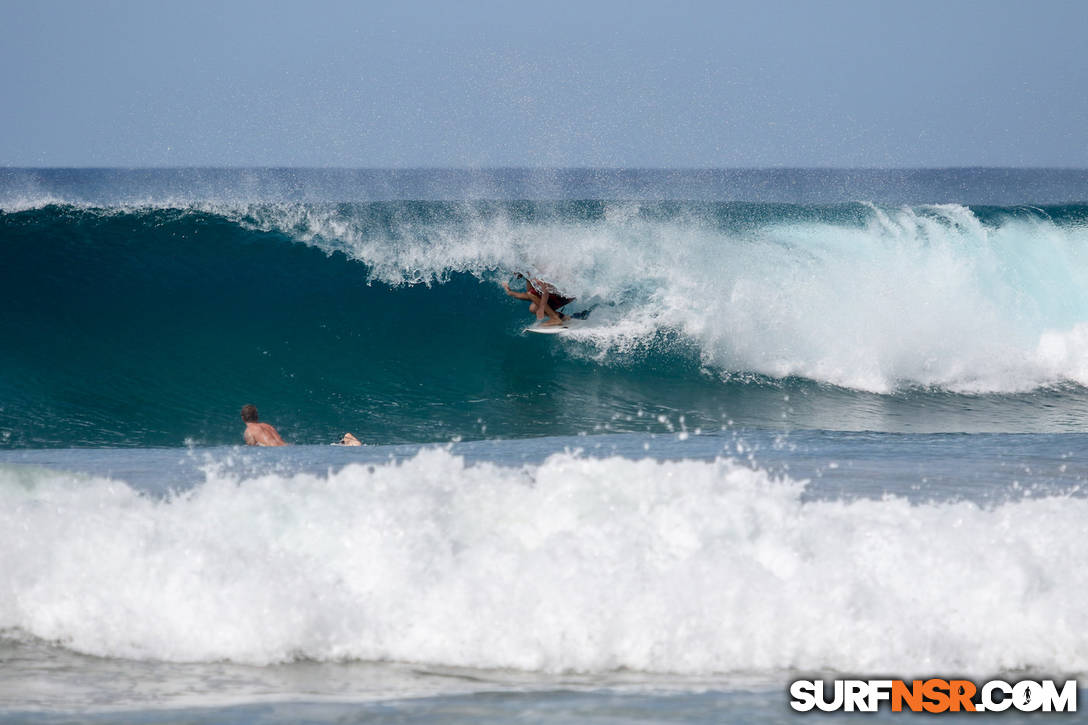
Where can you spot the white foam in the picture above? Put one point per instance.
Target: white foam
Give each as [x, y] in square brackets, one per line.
[576, 564]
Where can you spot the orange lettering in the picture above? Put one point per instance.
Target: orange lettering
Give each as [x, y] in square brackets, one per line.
[961, 692]
[936, 691]
[912, 695]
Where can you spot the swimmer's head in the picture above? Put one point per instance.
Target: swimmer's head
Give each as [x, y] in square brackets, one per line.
[249, 413]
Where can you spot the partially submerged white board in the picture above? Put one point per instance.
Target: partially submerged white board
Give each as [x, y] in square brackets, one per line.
[543, 329]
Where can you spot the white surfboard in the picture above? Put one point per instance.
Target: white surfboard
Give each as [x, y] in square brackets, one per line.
[543, 329]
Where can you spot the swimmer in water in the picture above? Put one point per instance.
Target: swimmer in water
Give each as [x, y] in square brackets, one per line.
[257, 433]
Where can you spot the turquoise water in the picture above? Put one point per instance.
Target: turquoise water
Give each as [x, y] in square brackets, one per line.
[824, 422]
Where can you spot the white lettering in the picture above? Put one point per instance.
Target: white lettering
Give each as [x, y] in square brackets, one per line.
[836, 702]
[1064, 701]
[879, 690]
[988, 699]
[803, 693]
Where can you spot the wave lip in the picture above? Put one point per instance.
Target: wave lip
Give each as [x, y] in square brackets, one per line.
[573, 565]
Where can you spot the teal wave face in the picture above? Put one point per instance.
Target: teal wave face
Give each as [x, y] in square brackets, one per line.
[152, 326]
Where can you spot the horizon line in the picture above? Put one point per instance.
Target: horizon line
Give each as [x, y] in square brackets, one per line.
[232, 167]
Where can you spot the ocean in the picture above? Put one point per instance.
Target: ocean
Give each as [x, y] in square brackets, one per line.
[818, 423]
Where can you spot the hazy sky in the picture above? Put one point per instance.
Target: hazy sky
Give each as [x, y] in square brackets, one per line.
[468, 84]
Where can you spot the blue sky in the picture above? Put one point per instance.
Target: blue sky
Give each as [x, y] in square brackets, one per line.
[476, 84]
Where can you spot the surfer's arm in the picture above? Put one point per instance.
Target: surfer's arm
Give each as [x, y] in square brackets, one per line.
[516, 295]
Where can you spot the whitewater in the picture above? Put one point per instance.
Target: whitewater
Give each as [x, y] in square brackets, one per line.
[576, 564]
[819, 423]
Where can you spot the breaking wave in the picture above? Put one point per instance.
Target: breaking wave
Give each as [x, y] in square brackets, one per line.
[573, 565]
[364, 306]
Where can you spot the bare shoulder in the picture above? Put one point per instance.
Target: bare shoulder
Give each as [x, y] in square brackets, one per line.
[262, 434]
[271, 435]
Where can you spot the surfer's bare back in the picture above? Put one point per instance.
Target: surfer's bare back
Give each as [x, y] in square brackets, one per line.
[257, 433]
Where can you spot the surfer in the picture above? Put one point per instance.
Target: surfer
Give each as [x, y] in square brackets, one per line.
[543, 299]
[348, 440]
[258, 434]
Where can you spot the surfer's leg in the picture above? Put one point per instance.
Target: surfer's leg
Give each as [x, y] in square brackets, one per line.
[556, 318]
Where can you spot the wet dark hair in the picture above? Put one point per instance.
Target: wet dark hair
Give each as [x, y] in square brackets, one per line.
[249, 413]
